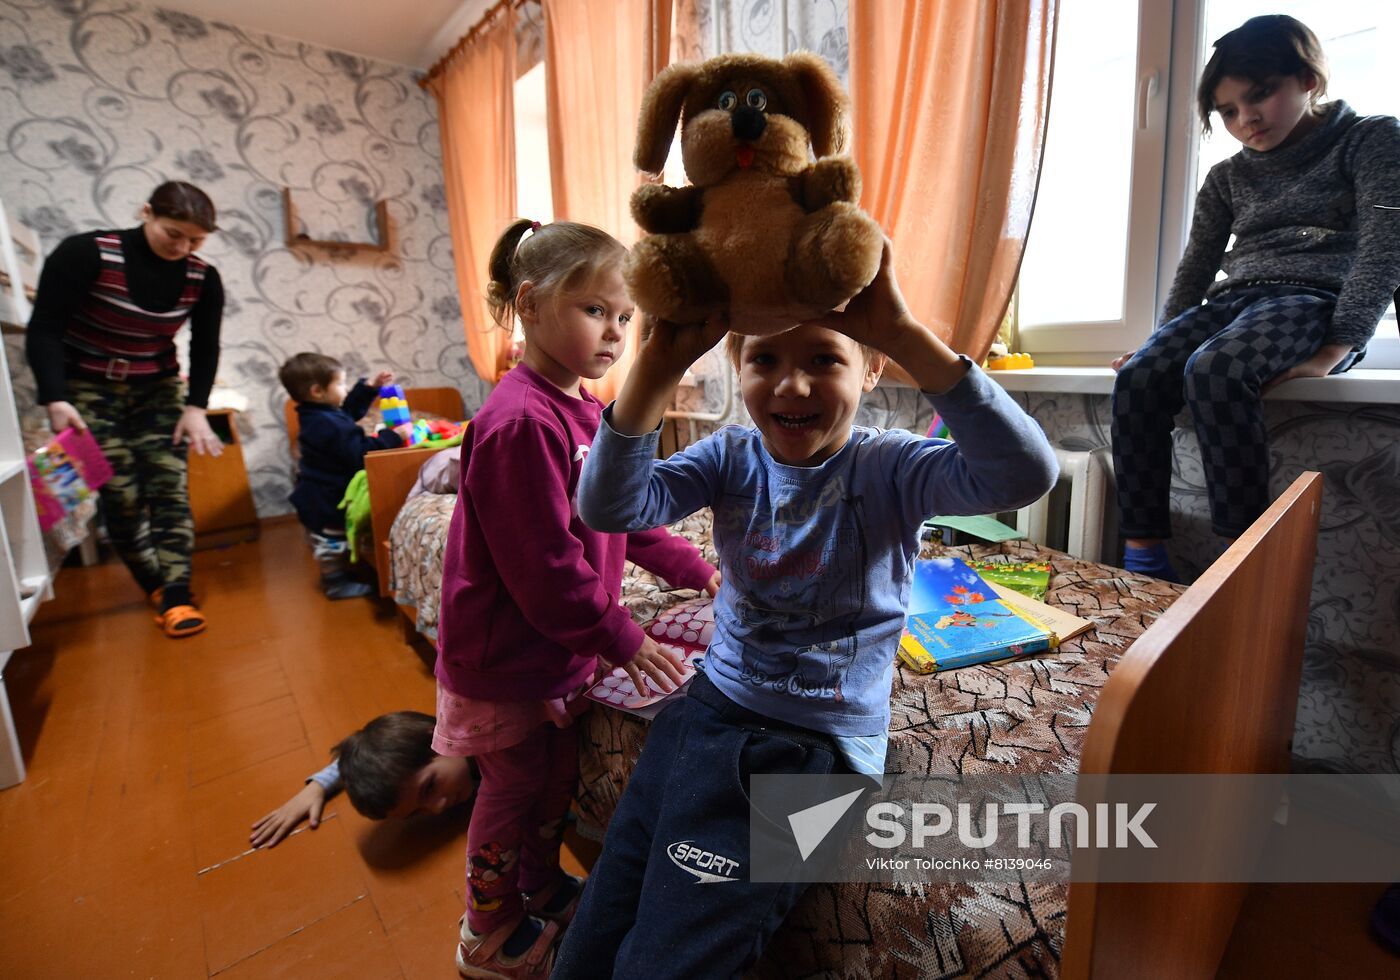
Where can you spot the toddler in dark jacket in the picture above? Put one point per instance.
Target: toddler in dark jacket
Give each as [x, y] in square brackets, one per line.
[333, 448]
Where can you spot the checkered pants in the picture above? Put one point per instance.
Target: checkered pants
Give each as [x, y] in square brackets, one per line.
[1215, 358]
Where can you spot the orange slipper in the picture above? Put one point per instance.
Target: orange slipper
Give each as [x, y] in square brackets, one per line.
[178, 621]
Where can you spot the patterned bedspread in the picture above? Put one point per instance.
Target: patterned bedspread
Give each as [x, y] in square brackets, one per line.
[419, 535]
[416, 543]
[1027, 716]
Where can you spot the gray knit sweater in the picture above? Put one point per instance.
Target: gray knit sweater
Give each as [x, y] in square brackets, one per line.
[1316, 213]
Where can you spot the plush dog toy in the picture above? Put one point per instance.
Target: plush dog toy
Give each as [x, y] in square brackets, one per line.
[762, 230]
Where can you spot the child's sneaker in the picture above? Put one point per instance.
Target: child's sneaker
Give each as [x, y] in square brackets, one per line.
[487, 956]
[346, 587]
[557, 901]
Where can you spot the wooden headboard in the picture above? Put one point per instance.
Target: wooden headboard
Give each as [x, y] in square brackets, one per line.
[1210, 687]
[390, 474]
[443, 402]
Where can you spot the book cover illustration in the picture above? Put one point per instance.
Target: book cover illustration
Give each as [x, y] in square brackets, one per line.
[1030, 578]
[684, 629]
[956, 619]
[65, 473]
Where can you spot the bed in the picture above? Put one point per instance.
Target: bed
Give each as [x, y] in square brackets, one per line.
[1109, 701]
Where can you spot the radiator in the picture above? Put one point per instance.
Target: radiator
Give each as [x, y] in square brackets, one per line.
[1071, 517]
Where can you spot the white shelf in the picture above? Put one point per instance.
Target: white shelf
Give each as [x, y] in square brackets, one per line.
[23, 565]
[38, 586]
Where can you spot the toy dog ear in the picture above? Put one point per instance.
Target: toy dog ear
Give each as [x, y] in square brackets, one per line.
[661, 111]
[826, 101]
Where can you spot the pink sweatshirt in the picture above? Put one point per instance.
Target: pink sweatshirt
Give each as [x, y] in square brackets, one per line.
[529, 593]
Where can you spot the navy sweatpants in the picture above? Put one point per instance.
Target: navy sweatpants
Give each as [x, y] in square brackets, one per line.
[1215, 357]
[669, 896]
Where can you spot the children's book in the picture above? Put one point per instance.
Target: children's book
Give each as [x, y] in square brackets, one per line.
[957, 619]
[1064, 624]
[1030, 578]
[684, 630]
[66, 472]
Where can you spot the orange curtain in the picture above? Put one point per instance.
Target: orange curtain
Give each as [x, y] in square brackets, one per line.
[949, 103]
[476, 119]
[598, 62]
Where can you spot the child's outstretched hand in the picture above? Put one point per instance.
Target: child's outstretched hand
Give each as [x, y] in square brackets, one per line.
[676, 346]
[879, 317]
[656, 662]
[405, 430]
[306, 805]
[878, 314]
[666, 351]
[382, 378]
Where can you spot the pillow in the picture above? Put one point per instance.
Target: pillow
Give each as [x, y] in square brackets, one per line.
[438, 474]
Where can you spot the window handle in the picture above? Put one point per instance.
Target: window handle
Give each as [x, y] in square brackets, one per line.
[1147, 88]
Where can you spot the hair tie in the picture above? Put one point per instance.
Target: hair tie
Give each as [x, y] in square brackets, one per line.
[534, 226]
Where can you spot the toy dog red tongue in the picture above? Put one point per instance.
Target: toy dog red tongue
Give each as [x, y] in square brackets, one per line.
[744, 155]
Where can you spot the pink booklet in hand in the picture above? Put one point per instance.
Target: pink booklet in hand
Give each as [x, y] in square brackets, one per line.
[685, 629]
[69, 469]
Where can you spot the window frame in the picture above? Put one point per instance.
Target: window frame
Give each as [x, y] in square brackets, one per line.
[1163, 193]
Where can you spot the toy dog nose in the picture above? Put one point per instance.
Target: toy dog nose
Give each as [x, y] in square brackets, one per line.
[748, 123]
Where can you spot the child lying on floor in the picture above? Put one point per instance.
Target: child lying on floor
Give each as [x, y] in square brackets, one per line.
[388, 769]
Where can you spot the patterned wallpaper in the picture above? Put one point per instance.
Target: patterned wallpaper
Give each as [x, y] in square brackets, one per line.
[100, 100]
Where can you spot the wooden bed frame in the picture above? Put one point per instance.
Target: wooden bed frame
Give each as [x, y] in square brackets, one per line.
[391, 471]
[391, 474]
[1241, 626]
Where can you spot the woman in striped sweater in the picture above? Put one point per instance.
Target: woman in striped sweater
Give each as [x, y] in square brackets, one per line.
[101, 343]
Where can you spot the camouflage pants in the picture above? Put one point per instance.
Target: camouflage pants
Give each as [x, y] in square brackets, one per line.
[146, 503]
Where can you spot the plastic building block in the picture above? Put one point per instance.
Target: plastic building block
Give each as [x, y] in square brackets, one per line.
[1010, 362]
[393, 406]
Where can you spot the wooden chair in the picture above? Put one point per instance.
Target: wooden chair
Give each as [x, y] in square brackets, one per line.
[1210, 687]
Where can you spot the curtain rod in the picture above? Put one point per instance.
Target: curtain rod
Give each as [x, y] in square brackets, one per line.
[440, 65]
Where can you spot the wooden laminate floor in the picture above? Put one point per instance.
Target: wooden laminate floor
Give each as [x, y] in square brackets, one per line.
[125, 852]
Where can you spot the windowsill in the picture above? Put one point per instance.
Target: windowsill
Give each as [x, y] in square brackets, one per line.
[1373, 385]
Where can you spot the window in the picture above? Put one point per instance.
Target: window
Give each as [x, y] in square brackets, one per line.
[1124, 156]
[534, 199]
[1080, 228]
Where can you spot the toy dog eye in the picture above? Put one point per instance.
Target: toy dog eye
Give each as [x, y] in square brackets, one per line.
[727, 101]
[756, 99]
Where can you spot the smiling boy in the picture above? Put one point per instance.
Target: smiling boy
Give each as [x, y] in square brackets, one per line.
[815, 523]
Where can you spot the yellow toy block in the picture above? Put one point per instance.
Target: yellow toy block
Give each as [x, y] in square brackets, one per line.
[1010, 362]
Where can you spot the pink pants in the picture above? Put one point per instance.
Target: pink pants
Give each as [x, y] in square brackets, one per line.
[517, 823]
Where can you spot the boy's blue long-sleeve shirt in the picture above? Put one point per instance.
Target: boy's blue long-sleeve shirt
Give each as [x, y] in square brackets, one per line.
[817, 561]
[333, 448]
